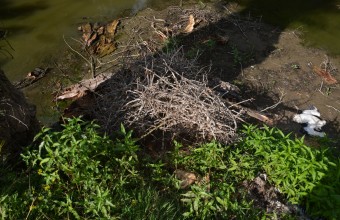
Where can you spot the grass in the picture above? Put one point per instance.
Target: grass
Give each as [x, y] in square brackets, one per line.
[77, 173]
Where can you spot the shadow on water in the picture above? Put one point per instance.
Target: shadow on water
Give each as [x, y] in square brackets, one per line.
[318, 18]
[284, 13]
[10, 11]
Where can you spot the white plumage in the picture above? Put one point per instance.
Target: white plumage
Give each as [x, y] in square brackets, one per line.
[311, 121]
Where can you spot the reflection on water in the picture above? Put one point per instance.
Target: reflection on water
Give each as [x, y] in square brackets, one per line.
[35, 28]
[318, 19]
[138, 5]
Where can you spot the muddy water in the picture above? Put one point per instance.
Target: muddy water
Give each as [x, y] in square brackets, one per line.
[34, 31]
[35, 28]
[318, 20]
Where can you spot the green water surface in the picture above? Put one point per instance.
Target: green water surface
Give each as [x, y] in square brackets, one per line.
[319, 20]
[35, 28]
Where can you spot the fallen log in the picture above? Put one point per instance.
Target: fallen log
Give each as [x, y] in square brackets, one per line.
[80, 89]
[230, 92]
[259, 116]
[251, 113]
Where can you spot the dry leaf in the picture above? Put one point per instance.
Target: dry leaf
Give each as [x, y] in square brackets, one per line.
[87, 30]
[190, 27]
[186, 177]
[91, 39]
[329, 79]
[100, 30]
[111, 28]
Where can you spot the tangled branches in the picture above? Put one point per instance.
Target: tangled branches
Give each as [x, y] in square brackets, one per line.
[170, 94]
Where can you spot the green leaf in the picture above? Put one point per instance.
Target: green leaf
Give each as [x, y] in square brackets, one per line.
[219, 200]
[44, 161]
[196, 201]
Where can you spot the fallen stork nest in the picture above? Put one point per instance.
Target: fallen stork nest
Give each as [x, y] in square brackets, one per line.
[168, 93]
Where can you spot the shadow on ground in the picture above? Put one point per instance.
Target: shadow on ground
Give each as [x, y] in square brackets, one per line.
[267, 63]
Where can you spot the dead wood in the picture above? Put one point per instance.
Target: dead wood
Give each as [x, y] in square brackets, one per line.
[169, 93]
[80, 89]
[191, 23]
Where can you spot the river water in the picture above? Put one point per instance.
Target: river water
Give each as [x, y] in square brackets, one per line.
[34, 29]
[318, 20]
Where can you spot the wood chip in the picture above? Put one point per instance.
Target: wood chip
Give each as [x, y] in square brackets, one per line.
[190, 27]
[111, 28]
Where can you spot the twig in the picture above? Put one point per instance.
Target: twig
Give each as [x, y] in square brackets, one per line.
[276, 104]
[239, 103]
[30, 208]
[88, 61]
[18, 120]
[329, 106]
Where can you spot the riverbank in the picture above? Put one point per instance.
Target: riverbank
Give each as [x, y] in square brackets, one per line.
[184, 79]
[270, 65]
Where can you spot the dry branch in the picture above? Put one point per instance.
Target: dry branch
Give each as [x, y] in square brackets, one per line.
[168, 93]
[80, 89]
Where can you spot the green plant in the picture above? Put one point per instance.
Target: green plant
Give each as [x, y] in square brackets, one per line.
[291, 165]
[193, 52]
[324, 200]
[303, 174]
[171, 44]
[80, 170]
[216, 193]
[237, 56]
[200, 47]
[76, 173]
[241, 58]
[149, 203]
[79, 174]
[2, 143]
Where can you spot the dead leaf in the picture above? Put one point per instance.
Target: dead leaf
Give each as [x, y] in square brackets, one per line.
[91, 39]
[111, 28]
[105, 49]
[186, 177]
[190, 27]
[86, 28]
[329, 79]
[100, 30]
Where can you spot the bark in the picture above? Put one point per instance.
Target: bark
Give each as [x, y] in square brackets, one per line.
[18, 123]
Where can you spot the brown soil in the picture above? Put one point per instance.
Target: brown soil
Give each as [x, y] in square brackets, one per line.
[268, 64]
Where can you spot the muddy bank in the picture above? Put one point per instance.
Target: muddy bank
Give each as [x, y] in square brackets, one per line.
[275, 72]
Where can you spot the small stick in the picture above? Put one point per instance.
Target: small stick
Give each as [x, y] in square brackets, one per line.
[329, 106]
[275, 105]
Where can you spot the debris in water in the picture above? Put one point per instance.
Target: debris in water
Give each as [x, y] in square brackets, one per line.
[99, 39]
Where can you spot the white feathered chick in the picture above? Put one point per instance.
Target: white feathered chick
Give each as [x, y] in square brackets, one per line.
[311, 121]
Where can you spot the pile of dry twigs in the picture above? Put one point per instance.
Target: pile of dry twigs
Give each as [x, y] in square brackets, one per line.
[166, 92]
